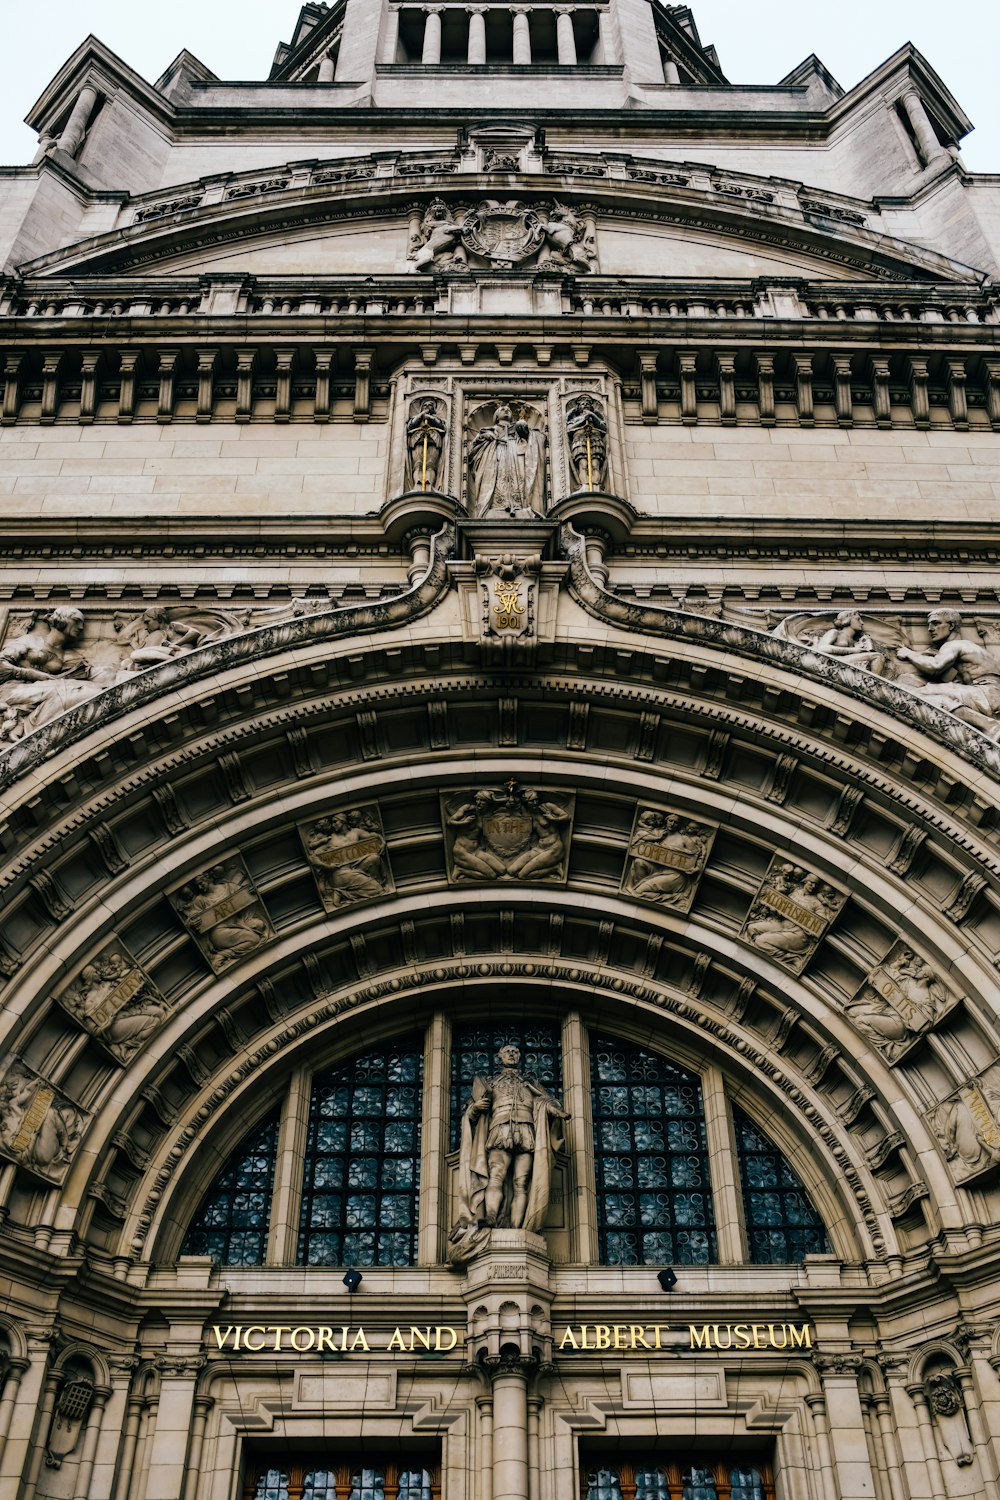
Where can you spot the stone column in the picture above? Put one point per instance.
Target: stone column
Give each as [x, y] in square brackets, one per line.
[977, 1431]
[72, 137]
[168, 1450]
[485, 1405]
[726, 1196]
[432, 37]
[577, 1101]
[434, 1216]
[565, 36]
[670, 73]
[327, 68]
[202, 1406]
[851, 1458]
[534, 1467]
[110, 1443]
[477, 36]
[826, 1478]
[883, 1415]
[930, 147]
[522, 35]
[30, 1394]
[510, 1427]
[15, 1370]
[932, 1462]
[83, 1490]
[130, 1441]
[43, 1422]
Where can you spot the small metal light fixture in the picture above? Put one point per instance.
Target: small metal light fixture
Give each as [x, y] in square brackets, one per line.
[353, 1279]
[667, 1279]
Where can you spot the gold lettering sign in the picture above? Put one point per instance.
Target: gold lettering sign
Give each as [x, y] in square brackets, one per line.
[750, 1336]
[980, 1111]
[283, 1338]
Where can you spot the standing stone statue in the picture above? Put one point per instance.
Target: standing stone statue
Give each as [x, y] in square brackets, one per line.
[505, 1162]
[587, 434]
[507, 467]
[425, 434]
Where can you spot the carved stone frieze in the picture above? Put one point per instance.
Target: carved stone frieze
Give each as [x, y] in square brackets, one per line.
[900, 1001]
[348, 856]
[517, 833]
[223, 913]
[116, 1001]
[666, 856]
[790, 914]
[40, 1127]
[967, 1126]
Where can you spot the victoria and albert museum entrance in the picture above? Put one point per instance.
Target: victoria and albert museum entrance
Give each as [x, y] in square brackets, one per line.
[499, 759]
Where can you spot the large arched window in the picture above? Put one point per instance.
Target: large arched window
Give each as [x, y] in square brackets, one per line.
[782, 1225]
[232, 1219]
[654, 1195]
[351, 1196]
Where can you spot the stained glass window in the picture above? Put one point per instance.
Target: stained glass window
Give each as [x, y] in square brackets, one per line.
[321, 1484]
[651, 1159]
[782, 1225]
[698, 1483]
[232, 1218]
[474, 1050]
[319, 1476]
[362, 1168]
[272, 1485]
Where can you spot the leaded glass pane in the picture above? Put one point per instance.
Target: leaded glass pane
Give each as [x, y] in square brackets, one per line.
[783, 1227]
[474, 1050]
[698, 1484]
[272, 1486]
[232, 1219]
[362, 1167]
[321, 1484]
[653, 1187]
[603, 1484]
[368, 1484]
[747, 1484]
[651, 1484]
[414, 1484]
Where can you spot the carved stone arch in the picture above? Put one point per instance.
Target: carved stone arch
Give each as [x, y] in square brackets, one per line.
[941, 1351]
[78, 1353]
[13, 1336]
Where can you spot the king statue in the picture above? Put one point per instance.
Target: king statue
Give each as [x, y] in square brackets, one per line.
[509, 1135]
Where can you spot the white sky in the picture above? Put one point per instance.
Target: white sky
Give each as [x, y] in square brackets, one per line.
[758, 42]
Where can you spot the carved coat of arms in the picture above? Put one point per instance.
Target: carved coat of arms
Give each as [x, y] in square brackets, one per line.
[503, 233]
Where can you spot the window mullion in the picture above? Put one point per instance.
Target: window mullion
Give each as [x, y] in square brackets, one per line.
[286, 1200]
[434, 1207]
[580, 1134]
[724, 1170]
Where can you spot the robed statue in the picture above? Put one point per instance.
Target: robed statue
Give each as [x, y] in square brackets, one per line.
[510, 1132]
[507, 467]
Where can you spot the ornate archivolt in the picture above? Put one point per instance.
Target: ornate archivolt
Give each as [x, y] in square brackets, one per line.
[237, 922]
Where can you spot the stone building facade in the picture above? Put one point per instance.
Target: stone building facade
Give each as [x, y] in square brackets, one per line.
[500, 719]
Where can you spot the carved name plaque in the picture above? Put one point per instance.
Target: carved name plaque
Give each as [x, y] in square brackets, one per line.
[791, 913]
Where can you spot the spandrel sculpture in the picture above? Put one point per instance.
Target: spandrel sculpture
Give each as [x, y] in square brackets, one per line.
[958, 675]
[510, 1131]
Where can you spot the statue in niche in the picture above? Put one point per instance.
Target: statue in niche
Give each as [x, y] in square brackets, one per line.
[509, 1135]
[348, 857]
[945, 1400]
[902, 998]
[490, 835]
[666, 857]
[587, 435]
[962, 677]
[507, 467]
[569, 240]
[425, 437]
[115, 1001]
[437, 242]
[790, 914]
[224, 914]
[39, 1126]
